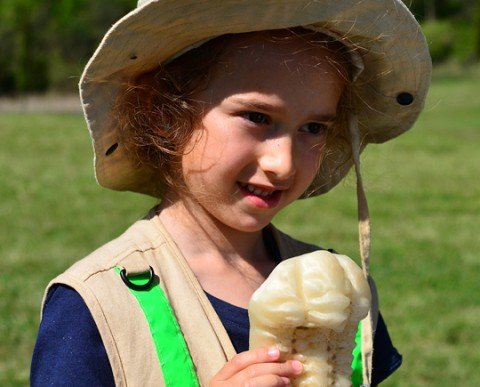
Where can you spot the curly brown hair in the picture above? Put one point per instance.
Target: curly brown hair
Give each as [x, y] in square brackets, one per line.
[157, 114]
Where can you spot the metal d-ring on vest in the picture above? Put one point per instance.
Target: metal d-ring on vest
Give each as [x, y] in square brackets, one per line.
[172, 351]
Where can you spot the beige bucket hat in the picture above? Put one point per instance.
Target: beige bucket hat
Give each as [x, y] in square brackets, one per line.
[390, 90]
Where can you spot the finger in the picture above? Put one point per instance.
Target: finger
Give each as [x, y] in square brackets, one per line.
[269, 381]
[286, 369]
[245, 359]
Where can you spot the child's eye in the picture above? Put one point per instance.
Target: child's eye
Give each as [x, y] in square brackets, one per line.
[314, 128]
[256, 118]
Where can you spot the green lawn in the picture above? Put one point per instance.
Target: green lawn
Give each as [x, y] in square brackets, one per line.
[424, 195]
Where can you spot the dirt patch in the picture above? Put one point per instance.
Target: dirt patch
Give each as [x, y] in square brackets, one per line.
[41, 104]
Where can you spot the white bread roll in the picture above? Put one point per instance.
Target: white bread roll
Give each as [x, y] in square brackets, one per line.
[309, 307]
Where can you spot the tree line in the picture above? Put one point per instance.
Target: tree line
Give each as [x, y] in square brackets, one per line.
[44, 44]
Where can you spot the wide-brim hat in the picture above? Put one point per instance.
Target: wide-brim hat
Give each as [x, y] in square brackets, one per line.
[389, 92]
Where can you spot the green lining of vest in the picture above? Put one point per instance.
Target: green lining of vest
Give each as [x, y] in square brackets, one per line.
[357, 372]
[173, 355]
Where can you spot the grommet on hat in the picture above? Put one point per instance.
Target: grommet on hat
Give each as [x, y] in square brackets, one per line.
[405, 99]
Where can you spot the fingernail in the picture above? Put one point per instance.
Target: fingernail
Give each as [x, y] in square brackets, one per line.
[273, 352]
[297, 366]
[286, 381]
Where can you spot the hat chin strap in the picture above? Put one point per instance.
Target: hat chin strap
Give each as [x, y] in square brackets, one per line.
[364, 240]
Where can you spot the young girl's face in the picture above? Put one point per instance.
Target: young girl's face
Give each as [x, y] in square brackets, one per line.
[261, 140]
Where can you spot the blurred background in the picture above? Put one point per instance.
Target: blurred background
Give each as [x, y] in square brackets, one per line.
[423, 189]
[44, 44]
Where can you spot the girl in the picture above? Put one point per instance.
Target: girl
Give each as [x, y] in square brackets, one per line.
[228, 111]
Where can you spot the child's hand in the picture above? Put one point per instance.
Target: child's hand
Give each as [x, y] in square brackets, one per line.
[257, 368]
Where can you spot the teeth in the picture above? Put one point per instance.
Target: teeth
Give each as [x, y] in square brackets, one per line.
[257, 191]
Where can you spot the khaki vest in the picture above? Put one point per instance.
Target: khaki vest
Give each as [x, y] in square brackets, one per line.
[120, 320]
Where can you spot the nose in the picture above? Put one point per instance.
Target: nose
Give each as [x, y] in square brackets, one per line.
[278, 157]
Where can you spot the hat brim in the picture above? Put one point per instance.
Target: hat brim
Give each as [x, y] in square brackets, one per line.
[393, 49]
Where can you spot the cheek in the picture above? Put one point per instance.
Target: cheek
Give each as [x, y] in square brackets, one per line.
[307, 167]
[311, 156]
[195, 161]
[200, 152]
[215, 165]
[309, 171]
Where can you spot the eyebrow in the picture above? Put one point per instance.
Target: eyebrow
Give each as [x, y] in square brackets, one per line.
[264, 106]
[253, 103]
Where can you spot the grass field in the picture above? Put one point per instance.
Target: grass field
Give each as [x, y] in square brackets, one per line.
[424, 195]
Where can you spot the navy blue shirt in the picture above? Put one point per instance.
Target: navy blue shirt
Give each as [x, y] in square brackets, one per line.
[70, 352]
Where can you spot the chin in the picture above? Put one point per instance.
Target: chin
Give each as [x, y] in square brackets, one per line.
[250, 225]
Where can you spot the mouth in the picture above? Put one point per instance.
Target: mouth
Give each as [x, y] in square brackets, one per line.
[262, 197]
